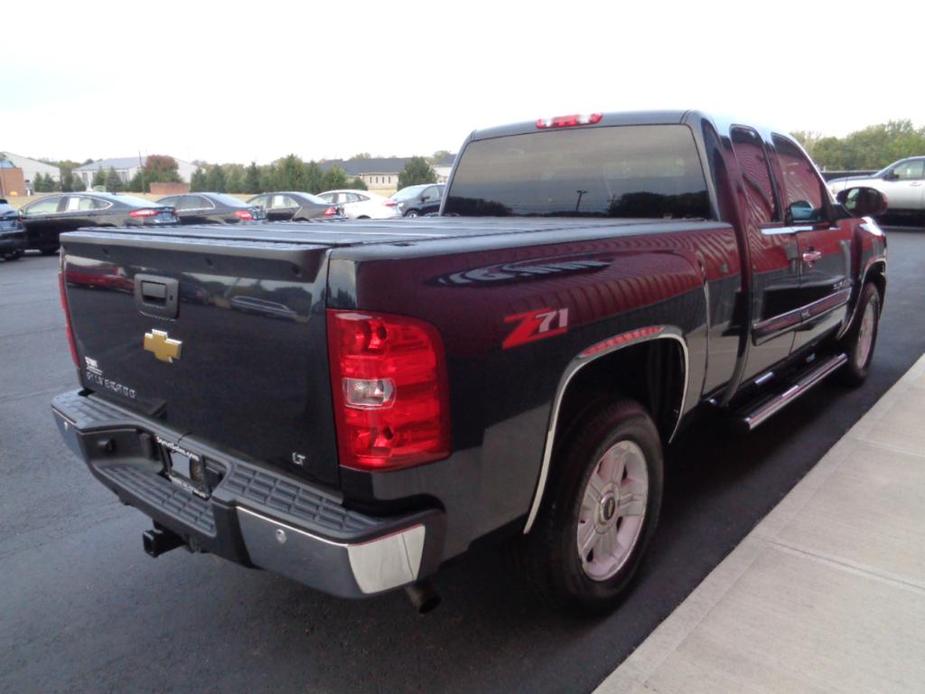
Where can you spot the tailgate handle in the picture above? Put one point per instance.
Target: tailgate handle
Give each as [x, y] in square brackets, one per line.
[157, 296]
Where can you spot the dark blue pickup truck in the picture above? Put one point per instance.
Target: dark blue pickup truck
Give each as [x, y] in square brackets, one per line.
[352, 404]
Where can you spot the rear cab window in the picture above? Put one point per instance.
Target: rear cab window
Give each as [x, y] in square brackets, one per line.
[635, 171]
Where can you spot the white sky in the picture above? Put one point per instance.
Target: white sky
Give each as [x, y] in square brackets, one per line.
[256, 81]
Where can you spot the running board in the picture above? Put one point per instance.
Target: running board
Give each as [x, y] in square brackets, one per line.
[768, 408]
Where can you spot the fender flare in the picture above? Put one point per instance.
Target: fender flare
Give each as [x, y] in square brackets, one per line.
[588, 356]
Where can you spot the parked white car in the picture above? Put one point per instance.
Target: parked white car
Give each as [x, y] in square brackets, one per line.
[361, 204]
[902, 182]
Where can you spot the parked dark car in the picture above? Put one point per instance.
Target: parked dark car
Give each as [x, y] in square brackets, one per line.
[47, 218]
[12, 232]
[418, 200]
[213, 208]
[514, 366]
[294, 206]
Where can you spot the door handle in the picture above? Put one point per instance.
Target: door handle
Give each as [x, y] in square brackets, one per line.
[811, 257]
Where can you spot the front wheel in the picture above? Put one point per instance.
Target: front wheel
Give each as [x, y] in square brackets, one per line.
[602, 508]
[861, 339]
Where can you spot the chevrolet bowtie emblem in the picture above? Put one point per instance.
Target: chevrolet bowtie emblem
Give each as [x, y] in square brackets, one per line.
[163, 346]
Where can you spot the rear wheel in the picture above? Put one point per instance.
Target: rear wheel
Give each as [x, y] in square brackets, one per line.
[602, 508]
[411, 213]
[861, 339]
[15, 255]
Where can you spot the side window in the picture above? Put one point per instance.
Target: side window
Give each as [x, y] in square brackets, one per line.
[802, 188]
[73, 204]
[189, 202]
[911, 170]
[198, 202]
[756, 173]
[281, 202]
[46, 206]
[101, 204]
[89, 204]
[169, 202]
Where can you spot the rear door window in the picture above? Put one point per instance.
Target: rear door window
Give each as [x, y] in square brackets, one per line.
[756, 175]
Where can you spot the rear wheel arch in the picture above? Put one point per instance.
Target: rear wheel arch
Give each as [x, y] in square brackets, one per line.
[652, 369]
[876, 274]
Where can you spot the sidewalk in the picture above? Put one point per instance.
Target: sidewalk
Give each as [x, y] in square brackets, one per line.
[827, 593]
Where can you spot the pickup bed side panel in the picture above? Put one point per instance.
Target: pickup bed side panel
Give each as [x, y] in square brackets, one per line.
[504, 370]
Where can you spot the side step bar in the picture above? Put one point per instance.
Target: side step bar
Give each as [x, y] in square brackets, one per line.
[768, 408]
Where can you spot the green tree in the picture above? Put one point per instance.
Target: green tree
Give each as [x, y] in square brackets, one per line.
[334, 179]
[160, 168]
[113, 181]
[357, 183]
[43, 183]
[234, 178]
[872, 147]
[99, 179]
[290, 173]
[138, 184]
[360, 157]
[215, 179]
[416, 171]
[268, 178]
[199, 181]
[314, 178]
[70, 182]
[252, 179]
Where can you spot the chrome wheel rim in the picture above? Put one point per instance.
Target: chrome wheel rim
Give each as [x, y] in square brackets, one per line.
[865, 336]
[613, 509]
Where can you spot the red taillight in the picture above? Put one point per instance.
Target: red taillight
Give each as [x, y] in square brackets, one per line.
[143, 213]
[388, 378]
[389, 202]
[62, 289]
[569, 121]
[330, 212]
[244, 215]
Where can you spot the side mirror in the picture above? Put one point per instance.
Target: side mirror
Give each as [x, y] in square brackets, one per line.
[800, 211]
[863, 202]
[891, 176]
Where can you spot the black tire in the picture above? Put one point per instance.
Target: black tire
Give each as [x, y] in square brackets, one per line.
[49, 250]
[550, 554]
[411, 213]
[15, 255]
[854, 373]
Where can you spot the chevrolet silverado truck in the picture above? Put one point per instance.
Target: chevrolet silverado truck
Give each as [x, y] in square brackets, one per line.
[352, 404]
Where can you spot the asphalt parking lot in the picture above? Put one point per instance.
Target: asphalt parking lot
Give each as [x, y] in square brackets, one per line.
[82, 607]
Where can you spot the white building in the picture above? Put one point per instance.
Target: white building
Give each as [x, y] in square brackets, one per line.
[127, 167]
[31, 167]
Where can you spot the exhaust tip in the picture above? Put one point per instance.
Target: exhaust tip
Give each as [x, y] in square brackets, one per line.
[423, 597]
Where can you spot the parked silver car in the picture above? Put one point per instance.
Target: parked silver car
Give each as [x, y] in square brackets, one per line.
[902, 182]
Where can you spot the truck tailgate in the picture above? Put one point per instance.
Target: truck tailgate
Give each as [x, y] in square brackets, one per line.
[221, 338]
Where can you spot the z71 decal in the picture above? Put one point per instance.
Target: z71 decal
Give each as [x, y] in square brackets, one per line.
[536, 325]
